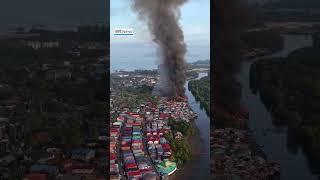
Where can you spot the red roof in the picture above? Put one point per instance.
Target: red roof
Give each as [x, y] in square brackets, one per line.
[136, 141]
[162, 116]
[120, 118]
[114, 130]
[36, 176]
[136, 123]
[134, 173]
[166, 147]
[146, 170]
[114, 165]
[113, 156]
[131, 165]
[125, 145]
[135, 115]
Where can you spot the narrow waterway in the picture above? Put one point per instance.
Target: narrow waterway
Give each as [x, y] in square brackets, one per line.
[199, 166]
[203, 120]
[273, 139]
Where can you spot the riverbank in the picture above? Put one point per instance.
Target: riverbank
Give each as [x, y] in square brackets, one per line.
[275, 141]
[293, 102]
[235, 153]
[199, 165]
[195, 143]
[200, 89]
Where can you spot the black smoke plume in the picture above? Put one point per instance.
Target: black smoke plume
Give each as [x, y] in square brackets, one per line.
[230, 17]
[162, 18]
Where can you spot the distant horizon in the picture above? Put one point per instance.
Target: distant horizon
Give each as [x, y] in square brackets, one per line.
[148, 67]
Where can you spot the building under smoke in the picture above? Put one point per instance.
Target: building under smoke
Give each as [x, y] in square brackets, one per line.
[162, 18]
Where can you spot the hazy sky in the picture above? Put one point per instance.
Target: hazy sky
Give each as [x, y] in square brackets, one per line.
[195, 23]
[57, 13]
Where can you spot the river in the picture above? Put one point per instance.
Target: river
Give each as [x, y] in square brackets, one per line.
[274, 139]
[199, 166]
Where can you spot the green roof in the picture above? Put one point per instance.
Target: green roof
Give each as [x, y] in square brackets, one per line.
[166, 167]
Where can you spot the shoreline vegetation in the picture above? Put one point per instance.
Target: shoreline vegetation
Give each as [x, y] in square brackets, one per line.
[200, 89]
[181, 148]
[260, 43]
[289, 87]
[195, 142]
[230, 134]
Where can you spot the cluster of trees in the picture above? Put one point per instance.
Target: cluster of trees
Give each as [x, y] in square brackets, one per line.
[145, 72]
[181, 126]
[192, 74]
[67, 111]
[289, 85]
[290, 89]
[201, 91]
[181, 149]
[132, 97]
[200, 64]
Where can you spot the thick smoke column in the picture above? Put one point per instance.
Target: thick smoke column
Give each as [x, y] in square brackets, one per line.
[162, 18]
[229, 19]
